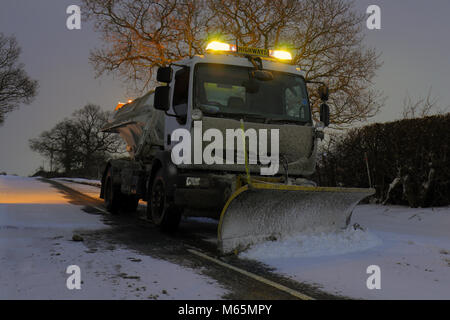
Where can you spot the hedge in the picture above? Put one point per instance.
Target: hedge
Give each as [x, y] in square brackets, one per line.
[408, 161]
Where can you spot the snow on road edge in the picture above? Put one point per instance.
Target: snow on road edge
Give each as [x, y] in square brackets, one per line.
[36, 248]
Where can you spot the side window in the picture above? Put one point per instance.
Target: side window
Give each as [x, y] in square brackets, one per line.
[180, 93]
[296, 103]
[292, 108]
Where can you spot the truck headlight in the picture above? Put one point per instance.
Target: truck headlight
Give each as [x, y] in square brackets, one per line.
[197, 115]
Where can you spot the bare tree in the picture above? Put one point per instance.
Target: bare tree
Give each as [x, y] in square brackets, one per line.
[255, 23]
[93, 145]
[77, 144]
[327, 38]
[421, 107]
[140, 35]
[325, 35]
[59, 145]
[15, 85]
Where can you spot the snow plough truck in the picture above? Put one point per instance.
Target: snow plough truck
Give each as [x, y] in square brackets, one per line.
[227, 135]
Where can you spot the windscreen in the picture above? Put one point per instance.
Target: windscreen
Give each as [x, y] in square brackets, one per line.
[232, 91]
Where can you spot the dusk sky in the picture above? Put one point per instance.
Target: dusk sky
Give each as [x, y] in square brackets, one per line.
[414, 42]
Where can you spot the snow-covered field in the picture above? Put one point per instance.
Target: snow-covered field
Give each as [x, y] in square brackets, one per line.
[36, 228]
[411, 247]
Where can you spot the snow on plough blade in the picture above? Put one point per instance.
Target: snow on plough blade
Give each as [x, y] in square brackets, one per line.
[268, 211]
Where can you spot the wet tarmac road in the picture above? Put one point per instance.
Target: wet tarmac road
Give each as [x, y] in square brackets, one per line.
[137, 233]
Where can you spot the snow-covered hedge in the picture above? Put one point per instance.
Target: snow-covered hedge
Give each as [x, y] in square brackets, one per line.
[408, 161]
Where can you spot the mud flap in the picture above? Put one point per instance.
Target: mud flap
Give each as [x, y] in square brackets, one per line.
[268, 211]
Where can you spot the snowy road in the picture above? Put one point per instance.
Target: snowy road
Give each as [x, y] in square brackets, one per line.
[36, 227]
[126, 257]
[120, 257]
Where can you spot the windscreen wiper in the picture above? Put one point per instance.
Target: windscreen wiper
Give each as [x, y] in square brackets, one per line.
[236, 115]
[286, 121]
[244, 116]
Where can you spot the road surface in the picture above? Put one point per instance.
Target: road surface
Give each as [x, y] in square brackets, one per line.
[113, 246]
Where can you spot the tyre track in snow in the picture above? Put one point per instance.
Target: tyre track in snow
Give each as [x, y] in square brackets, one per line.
[192, 246]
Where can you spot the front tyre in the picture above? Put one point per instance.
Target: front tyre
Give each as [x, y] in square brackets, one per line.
[163, 211]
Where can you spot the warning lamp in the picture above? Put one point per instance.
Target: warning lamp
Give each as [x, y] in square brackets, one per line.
[220, 46]
[280, 54]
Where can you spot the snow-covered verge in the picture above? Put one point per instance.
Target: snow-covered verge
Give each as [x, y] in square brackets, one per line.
[36, 228]
[411, 247]
[95, 183]
[91, 189]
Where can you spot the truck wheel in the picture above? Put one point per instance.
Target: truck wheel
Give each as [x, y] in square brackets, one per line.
[112, 195]
[163, 212]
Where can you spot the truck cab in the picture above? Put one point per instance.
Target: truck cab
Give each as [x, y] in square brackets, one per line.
[221, 91]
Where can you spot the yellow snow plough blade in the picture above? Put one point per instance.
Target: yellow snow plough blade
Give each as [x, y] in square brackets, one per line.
[268, 211]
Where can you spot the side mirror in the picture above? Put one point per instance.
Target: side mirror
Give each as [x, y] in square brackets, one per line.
[162, 98]
[323, 93]
[164, 74]
[325, 114]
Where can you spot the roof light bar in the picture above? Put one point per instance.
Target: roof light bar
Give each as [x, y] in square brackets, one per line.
[226, 47]
[220, 46]
[280, 54]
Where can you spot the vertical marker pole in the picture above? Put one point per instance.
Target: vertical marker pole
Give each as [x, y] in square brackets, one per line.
[367, 166]
[247, 171]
